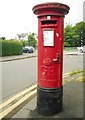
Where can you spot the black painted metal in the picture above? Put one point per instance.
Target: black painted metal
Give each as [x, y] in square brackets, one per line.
[49, 101]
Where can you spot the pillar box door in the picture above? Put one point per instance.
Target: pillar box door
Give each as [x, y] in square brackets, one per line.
[50, 56]
[50, 52]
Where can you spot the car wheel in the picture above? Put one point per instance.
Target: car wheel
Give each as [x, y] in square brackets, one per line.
[81, 51]
[27, 51]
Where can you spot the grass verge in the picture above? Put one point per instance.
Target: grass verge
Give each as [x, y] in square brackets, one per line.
[81, 78]
[75, 72]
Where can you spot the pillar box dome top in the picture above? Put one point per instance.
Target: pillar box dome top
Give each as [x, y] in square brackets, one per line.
[51, 8]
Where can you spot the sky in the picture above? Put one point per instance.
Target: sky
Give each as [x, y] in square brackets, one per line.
[16, 16]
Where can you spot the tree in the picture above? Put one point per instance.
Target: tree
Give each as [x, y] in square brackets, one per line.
[80, 30]
[70, 36]
[3, 38]
[32, 39]
[24, 43]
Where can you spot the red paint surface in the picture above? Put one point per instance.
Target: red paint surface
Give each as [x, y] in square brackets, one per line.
[50, 58]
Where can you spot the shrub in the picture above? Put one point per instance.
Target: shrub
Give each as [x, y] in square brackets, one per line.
[0, 48]
[10, 47]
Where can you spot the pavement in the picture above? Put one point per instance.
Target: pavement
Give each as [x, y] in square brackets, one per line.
[29, 55]
[18, 57]
[72, 103]
[72, 96]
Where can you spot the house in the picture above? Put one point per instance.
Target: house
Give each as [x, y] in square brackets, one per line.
[22, 36]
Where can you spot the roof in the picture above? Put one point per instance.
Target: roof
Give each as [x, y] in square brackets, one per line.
[22, 35]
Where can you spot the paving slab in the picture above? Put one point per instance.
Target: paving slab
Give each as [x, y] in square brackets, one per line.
[72, 104]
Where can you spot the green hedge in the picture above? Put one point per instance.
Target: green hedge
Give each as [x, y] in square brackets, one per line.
[0, 48]
[10, 47]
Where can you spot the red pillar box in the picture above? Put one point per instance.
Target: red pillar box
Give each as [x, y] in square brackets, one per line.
[50, 56]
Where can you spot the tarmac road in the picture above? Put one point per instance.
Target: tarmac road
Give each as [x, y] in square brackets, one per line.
[19, 74]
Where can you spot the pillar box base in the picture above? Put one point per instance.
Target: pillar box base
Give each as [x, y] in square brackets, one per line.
[49, 101]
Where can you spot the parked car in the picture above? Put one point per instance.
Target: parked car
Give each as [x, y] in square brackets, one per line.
[81, 49]
[28, 49]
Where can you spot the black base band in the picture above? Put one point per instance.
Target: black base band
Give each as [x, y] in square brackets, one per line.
[49, 101]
